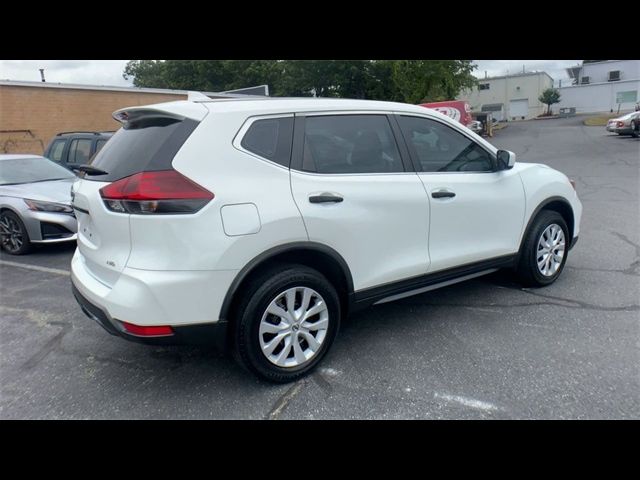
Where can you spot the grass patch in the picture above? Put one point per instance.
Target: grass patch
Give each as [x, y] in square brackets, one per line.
[600, 120]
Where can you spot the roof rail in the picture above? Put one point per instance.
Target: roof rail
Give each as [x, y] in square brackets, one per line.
[83, 131]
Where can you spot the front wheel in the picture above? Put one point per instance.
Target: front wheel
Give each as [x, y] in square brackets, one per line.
[544, 252]
[13, 234]
[286, 322]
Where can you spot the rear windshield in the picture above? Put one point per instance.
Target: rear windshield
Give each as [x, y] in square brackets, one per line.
[29, 170]
[147, 144]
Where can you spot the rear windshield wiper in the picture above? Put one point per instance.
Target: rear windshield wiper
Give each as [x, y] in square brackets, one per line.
[88, 169]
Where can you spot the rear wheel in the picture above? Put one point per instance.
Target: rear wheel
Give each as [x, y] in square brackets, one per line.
[13, 234]
[286, 322]
[635, 130]
[544, 252]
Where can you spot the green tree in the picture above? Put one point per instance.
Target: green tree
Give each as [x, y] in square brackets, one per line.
[405, 81]
[420, 81]
[549, 97]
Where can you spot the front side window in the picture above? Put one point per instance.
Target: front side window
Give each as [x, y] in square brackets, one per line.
[80, 151]
[55, 153]
[350, 144]
[439, 148]
[270, 138]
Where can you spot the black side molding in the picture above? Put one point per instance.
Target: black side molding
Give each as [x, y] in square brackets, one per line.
[368, 296]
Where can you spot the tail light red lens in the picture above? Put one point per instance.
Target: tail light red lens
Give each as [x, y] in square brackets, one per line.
[154, 331]
[160, 192]
[620, 124]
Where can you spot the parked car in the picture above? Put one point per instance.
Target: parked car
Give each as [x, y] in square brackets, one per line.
[35, 203]
[263, 223]
[635, 127]
[475, 126]
[622, 125]
[75, 147]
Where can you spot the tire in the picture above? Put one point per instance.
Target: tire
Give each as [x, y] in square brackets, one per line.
[635, 132]
[255, 330]
[528, 271]
[13, 234]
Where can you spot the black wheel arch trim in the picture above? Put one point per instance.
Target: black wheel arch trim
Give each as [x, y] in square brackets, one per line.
[535, 213]
[278, 250]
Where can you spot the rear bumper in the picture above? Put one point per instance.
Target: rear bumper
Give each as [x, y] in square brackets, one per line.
[187, 301]
[155, 297]
[214, 334]
[620, 130]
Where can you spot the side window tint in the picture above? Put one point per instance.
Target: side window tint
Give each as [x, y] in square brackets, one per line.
[80, 151]
[270, 138]
[99, 145]
[350, 144]
[439, 148]
[57, 148]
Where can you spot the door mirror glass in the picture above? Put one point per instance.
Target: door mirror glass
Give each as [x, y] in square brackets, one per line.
[506, 159]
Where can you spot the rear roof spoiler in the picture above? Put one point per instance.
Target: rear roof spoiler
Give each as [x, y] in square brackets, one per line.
[178, 110]
[197, 97]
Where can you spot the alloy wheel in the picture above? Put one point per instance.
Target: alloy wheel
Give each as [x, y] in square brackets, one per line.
[11, 234]
[551, 249]
[293, 327]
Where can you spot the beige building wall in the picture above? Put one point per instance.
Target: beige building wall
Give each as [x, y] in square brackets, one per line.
[504, 90]
[31, 116]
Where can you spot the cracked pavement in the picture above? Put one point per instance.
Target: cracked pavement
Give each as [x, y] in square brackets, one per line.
[486, 348]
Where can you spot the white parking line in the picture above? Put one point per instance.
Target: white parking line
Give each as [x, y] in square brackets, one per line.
[57, 271]
[468, 402]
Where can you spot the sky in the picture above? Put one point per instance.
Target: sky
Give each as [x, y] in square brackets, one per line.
[109, 72]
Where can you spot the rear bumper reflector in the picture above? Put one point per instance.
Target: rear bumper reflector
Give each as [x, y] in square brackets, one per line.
[147, 331]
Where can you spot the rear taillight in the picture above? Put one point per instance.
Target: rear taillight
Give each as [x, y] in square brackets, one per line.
[620, 124]
[161, 192]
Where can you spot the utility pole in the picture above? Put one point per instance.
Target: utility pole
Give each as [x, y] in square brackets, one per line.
[42, 74]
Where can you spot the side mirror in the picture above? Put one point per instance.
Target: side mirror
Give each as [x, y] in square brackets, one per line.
[506, 159]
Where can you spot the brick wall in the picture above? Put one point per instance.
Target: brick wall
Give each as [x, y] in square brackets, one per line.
[31, 116]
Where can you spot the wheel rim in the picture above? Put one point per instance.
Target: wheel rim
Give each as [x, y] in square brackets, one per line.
[551, 248]
[293, 327]
[11, 234]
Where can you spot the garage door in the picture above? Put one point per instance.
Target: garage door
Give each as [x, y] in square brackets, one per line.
[518, 109]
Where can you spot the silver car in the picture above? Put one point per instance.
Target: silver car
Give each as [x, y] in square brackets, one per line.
[35, 203]
[622, 125]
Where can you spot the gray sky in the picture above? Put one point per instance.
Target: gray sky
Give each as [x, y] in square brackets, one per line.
[109, 72]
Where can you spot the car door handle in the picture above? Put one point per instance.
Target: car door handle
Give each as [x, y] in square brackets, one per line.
[325, 198]
[443, 194]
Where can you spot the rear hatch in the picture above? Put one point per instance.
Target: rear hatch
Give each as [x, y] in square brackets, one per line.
[147, 142]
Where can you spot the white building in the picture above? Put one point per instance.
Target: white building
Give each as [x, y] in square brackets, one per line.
[510, 97]
[605, 86]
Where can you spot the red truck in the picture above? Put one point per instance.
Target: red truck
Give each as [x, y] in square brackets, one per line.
[456, 109]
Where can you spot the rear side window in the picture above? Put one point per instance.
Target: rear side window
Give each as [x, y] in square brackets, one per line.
[270, 138]
[350, 144]
[55, 153]
[142, 145]
[79, 151]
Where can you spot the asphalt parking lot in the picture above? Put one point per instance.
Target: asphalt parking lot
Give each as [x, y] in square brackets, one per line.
[481, 349]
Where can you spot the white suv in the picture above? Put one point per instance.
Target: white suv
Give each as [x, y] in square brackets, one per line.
[261, 223]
